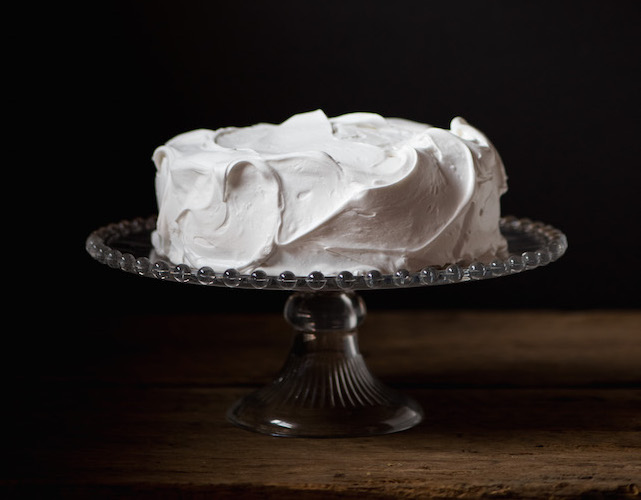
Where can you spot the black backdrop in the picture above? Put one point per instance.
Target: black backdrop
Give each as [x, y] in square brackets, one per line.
[553, 84]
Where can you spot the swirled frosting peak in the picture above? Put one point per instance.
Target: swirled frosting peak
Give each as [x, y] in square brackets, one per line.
[353, 193]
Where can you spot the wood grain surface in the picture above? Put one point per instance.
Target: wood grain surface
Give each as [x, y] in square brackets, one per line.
[519, 404]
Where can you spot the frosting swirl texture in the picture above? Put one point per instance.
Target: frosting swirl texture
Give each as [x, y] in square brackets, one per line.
[352, 193]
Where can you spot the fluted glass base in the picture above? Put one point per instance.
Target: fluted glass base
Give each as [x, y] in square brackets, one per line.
[325, 388]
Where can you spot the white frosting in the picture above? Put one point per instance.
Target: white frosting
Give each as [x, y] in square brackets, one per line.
[352, 193]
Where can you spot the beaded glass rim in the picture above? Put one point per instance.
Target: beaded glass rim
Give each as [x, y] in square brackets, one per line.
[126, 246]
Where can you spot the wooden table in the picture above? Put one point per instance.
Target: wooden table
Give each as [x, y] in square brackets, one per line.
[519, 404]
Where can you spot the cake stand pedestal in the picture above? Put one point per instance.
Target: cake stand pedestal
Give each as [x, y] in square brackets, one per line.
[325, 388]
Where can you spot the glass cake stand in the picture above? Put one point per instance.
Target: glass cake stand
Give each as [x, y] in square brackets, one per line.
[324, 388]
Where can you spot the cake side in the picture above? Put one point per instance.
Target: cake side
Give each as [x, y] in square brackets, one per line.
[352, 193]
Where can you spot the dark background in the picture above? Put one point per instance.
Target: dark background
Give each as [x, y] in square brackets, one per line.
[554, 85]
[91, 89]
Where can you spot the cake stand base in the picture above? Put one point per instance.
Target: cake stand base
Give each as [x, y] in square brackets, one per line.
[325, 388]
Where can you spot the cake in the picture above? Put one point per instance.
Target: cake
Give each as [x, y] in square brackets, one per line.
[357, 192]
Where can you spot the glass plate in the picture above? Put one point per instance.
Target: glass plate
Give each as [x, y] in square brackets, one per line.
[127, 245]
